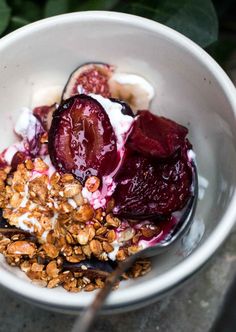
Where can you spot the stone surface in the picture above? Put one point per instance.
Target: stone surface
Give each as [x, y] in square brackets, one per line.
[193, 308]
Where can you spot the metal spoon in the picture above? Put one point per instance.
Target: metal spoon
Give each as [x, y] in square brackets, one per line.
[84, 323]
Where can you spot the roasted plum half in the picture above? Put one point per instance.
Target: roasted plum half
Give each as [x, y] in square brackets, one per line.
[156, 136]
[81, 139]
[156, 175]
[147, 188]
[89, 78]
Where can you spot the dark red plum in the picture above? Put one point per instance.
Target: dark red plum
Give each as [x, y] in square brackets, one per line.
[81, 139]
[149, 188]
[156, 136]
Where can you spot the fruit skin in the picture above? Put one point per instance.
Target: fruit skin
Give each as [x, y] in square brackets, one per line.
[93, 77]
[149, 188]
[126, 109]
[44, 115]
[81, 139]
[156, 136]
[18, 158]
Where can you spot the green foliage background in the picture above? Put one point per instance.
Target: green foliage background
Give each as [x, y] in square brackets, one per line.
[200, 20]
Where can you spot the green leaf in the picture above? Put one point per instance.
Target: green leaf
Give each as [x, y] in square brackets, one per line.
[29, 10]
[17, 22]
[56, 7]
[222, 50]
[4, 15]
[196, 19]
[98, 5]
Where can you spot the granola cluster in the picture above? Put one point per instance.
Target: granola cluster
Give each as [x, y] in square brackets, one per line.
[54, 232]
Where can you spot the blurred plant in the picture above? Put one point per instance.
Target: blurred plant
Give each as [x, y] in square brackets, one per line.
[197, 19]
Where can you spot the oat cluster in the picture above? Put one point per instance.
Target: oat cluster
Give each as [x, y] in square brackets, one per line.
[53, 232]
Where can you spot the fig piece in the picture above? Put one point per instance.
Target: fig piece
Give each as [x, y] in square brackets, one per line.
[89, 78]
[156, 136]
[92, 268]
[44, 115]
[81, 139]
[133, 89]
[149, 189]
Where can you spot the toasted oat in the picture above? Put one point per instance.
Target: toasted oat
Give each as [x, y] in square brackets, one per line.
[53, 283]
[21, 248]
[75, 258]
[37, 267]
[67, 178]
[101, 231]
[29, 164]
[120, 256]
[79, 200]
[72, 189]
[38, 189]
[84, 213]
[25, 266]
[112, 221]
[107, 247]
[52, 269]
[15, 200]
[51, 250]
[89, 288]
[96, 247]
[83, 237]
[126, 235]
[40, 165]
[87, 251]
[111, 236]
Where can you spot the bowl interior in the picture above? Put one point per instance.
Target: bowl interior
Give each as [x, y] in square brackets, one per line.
[187, 90]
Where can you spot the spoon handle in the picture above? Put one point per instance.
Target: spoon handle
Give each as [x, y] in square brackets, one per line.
[87, 317]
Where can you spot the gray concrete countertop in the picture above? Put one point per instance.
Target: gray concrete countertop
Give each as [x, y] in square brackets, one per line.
[193, 308]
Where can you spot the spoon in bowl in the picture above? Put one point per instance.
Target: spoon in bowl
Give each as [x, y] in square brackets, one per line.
[84, 323]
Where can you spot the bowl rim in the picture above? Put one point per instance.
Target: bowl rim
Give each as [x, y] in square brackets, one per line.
[179, 273]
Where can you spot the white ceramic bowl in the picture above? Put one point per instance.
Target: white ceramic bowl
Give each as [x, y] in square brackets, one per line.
[190, 88]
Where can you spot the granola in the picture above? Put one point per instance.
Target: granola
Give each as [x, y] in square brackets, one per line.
[62, 229]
